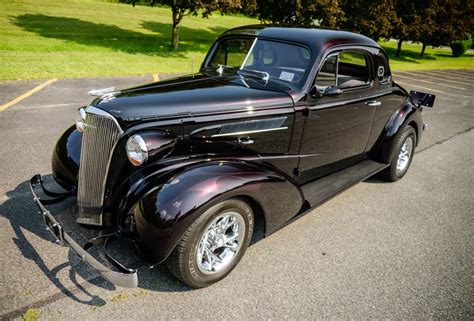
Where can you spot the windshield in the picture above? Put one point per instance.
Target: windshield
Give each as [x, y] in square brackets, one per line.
[264, 59]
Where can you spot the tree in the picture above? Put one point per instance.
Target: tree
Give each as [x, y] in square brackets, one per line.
[325, 13]
[445, 20]
[183, 8]
[406, 23]
[373, 18]
[425, 23]
[432, 22]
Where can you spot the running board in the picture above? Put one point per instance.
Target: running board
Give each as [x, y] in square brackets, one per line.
[325, 188]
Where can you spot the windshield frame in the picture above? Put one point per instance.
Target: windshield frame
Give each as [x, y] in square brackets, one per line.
[206, 68]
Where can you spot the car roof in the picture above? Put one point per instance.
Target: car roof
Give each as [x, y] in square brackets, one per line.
[315, 38]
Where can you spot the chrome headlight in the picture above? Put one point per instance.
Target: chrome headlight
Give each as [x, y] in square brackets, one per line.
[137, 151]
[80, 120]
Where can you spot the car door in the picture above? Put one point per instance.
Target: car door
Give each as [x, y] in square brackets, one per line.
[340, 113]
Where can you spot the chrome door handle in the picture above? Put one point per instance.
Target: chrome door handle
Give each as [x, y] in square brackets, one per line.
[374, 103]
[245, 140]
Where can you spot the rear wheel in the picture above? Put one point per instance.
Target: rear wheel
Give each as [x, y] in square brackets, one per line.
[402, 155]
[213, 245]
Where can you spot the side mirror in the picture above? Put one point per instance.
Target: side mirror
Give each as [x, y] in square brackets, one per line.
[332, 91]
[316, 92]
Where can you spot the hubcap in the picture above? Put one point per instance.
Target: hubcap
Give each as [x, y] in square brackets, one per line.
[404, 155]
[220, 242]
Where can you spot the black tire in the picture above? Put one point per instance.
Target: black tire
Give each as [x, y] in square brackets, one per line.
[182, 262]
[391, 173]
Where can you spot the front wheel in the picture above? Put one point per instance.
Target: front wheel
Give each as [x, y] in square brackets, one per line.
[213, 245]
[402, 155]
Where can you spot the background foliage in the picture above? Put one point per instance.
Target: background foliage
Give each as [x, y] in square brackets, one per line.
[83, 38]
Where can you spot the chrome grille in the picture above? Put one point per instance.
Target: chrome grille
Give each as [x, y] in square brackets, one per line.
[100, 134]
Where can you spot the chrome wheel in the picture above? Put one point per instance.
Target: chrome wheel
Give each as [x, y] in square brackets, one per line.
[404, 155]
[220, 242]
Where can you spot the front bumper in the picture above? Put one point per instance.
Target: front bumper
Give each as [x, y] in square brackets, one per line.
[124, 277]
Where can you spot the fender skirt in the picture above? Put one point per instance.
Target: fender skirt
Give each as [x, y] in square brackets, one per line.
[166, 212]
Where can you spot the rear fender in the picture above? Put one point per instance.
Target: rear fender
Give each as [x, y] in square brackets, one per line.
[166, 212]
[406, 114]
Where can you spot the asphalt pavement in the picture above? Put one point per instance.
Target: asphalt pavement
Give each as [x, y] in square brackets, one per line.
[380, 250]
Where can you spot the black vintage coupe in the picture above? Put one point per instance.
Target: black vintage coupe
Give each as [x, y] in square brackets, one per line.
[277, 121]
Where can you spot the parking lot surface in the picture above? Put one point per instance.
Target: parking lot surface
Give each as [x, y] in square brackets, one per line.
[379, 250]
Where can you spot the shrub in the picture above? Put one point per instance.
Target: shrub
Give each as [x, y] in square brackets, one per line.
[459, 47]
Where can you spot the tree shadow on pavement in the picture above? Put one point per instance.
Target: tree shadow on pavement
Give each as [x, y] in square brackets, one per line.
[23, 216]
[115, 38]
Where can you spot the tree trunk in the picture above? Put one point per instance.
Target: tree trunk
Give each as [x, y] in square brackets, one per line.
[399, 47]
[177, 17]
[423, 50]
[175, 36]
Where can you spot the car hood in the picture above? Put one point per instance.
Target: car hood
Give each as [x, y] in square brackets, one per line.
[193, 95]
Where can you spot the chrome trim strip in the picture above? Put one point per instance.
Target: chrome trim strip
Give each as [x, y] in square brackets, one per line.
[249, 132]
[268, 122]
[248, 53]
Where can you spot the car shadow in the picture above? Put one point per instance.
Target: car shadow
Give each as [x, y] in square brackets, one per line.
[23, 215]
[376, 180]
[116, 38]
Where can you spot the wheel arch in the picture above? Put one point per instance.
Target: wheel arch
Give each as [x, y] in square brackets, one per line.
[258, 212]
[406, 115]
[164, 214]
[414, 124]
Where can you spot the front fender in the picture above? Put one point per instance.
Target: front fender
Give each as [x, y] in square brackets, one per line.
[166, 212]
[407, 114]
[66, 158]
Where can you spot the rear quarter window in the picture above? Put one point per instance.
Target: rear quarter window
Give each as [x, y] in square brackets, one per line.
[382, 70]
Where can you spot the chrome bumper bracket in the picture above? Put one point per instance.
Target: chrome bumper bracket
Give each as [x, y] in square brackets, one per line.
[124, 277]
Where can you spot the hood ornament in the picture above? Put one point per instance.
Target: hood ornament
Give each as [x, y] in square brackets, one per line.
[103, 92]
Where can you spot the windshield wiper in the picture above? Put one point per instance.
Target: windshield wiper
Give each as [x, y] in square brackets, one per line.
[255, 73]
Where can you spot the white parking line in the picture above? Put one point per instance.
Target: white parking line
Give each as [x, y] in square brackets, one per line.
[448, 74]
[27, 94]
[442, 74]
[438, 77]
[425, 88]
[430, 82]
[46, 106]
[464, 73]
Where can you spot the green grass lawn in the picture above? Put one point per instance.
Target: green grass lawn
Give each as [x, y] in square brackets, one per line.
[46, 39]
[434, 58]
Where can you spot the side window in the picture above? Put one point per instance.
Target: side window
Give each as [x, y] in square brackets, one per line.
[231, 53]
[327, 75]
[353, 70]
[383, 75]
[345, 69]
